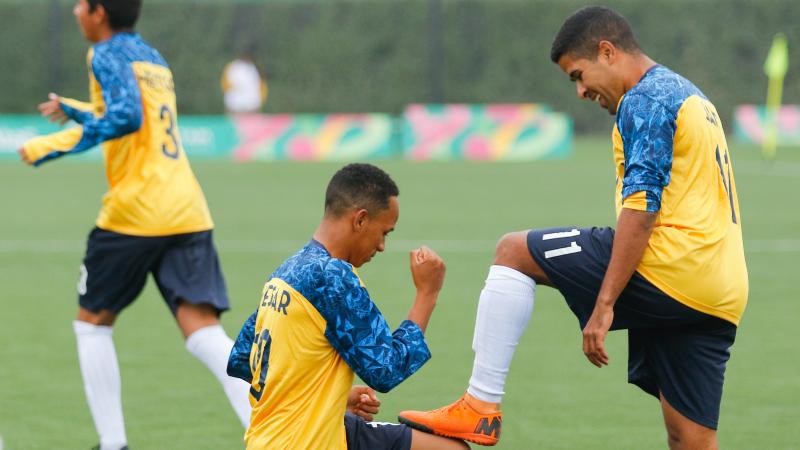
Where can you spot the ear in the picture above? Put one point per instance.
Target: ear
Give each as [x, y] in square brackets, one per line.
[606, 51]
[360, 220]
[100, 14]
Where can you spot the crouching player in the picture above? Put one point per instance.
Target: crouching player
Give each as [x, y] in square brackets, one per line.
[316, 326]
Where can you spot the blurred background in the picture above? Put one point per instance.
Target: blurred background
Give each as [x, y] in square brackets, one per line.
[379, 56]
[397, 82]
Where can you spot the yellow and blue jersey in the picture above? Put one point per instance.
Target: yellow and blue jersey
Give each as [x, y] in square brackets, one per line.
[672, 158]
[151, 188]
[314, 328]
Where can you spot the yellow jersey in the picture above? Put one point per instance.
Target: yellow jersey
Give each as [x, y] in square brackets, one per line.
[316, 327]
[152, 190]
[672, 158]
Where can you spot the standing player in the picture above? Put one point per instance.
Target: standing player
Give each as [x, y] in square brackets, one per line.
[674, 271]
[244, 86]
[154, 217]
[316, 325]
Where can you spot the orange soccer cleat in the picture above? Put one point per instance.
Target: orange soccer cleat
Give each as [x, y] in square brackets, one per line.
[460, 420]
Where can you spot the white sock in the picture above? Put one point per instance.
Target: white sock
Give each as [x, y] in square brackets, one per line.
[101, 381]
[212, 346]
[504, 309]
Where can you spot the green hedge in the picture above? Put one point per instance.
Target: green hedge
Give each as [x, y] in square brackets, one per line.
[377, 56]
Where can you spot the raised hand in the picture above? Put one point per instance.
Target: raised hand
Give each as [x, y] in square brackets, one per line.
[52, 110]
[427, 270]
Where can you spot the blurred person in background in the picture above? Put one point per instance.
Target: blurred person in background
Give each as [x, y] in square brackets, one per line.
[244, 86]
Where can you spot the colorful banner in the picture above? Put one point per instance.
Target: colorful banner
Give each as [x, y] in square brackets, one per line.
[203, 137]
[513, 132]
[429, 132]
[314, 137]
[750, 122]
[208, 137]
[306, 137]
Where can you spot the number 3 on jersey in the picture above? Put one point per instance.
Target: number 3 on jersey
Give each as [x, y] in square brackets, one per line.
[168, 117]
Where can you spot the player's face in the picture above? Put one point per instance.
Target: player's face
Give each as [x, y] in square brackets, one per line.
[372, 236]
[595, 79]
[88, 21]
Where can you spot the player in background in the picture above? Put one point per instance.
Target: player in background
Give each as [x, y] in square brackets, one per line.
[154, 217]
[316, 326]
[244, 86]
[674, 271]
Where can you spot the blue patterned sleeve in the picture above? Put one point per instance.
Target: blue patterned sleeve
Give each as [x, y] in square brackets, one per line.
[77, 114]
[123, 103]
[647, 129]
[239, 359]
[359, 332]
[122, 98]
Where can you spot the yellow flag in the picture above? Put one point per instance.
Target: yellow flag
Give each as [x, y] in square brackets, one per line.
[778, 58]
[775, 67]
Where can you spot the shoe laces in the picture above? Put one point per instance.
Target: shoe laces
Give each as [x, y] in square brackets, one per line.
[461, 404]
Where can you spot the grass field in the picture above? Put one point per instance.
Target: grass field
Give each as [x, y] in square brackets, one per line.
[264, 212]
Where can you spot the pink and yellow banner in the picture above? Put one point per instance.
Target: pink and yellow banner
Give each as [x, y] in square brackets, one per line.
[311, 137]
[501, 132]
[750, 122]
[424, 132]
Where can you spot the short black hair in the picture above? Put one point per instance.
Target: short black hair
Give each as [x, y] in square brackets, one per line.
[359, 186]
[122, 14]
[586, 27]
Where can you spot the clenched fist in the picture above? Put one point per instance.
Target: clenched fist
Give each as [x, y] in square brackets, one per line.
[427, 270]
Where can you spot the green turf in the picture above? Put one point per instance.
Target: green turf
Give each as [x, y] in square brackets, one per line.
[555, 400]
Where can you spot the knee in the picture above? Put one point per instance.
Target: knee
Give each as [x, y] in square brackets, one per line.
[512, 252]
[674, 440]
[201, 311]
[103, 317]
[507, 251]
[191, 317]
[681, 438]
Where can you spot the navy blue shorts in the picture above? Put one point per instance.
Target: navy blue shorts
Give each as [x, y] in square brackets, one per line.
[363, 435]
[672, 349]
[185, 267]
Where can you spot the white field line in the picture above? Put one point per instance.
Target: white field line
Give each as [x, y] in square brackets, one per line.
[257, 246]
[465, 246]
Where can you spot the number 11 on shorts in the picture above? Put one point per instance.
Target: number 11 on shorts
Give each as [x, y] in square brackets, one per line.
[572, 248]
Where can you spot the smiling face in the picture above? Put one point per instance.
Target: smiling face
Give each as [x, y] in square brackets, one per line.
[596, 79]
[371, 232]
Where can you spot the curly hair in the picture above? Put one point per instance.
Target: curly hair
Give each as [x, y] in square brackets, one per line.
[359, 186]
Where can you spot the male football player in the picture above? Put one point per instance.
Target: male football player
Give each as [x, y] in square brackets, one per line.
[154, 217]
[673, 272]
[316, 327]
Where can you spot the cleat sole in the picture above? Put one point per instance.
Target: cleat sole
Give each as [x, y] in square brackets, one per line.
[469, 437]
